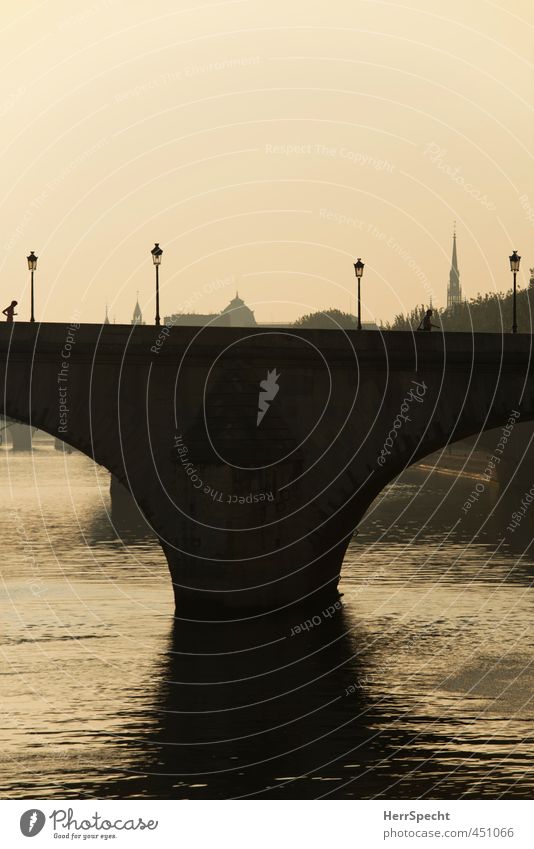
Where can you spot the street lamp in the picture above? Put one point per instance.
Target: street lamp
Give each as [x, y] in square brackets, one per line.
[32, 265]
[358, 270]
[515, 259]
[156, 259]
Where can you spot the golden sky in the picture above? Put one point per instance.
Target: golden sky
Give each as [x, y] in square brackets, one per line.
[266, 146]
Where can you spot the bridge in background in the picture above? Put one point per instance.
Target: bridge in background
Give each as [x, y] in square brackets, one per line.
[255, 512]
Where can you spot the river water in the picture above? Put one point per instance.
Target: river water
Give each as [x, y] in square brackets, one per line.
[422, 685]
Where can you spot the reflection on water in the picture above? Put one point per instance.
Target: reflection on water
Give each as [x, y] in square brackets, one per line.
[421, 686]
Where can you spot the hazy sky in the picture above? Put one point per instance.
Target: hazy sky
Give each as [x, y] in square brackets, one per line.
[266, 146]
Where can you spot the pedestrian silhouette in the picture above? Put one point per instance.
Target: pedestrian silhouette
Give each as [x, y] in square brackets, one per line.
[426, 323]
[9, 311]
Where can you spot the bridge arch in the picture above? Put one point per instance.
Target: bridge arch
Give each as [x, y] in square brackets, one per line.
[255, 515]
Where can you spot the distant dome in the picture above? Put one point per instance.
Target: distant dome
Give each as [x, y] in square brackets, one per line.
[239, 315]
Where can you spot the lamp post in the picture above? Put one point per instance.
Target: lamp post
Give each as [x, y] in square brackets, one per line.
[32, 265]
[515, 259]
[156, 259]
[358, 270]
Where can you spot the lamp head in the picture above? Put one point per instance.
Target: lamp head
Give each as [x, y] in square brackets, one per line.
[515, 259]
[358, 267]
[156, 254]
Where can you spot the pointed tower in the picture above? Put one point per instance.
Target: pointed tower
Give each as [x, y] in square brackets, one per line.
[137, 314]
[106, 320]
[454, 292]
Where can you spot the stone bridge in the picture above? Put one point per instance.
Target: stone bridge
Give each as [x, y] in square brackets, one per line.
[254, 453]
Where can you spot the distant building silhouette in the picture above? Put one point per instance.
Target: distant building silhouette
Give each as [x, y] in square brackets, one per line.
[239, 315]
[454, 291]
[106, 319]
[236, 314]
[191, 318]
[275, 324]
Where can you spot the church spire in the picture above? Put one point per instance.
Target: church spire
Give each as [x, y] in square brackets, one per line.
[106, 320]
[454, 292]
[137, 314]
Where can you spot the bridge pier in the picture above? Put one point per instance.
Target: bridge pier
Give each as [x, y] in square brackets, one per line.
[223, 590]
[21, 436]
[241, 543]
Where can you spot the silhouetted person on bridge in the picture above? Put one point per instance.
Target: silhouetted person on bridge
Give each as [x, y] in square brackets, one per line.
[9, 311]
[426, 323]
